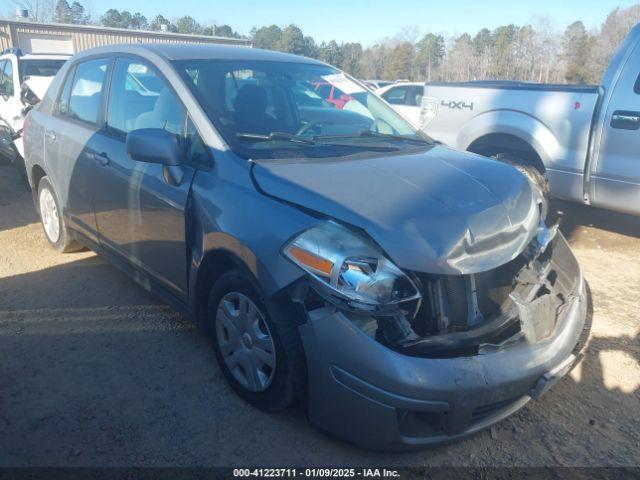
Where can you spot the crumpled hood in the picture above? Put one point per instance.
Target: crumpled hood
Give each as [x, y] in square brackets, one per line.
[436, 211]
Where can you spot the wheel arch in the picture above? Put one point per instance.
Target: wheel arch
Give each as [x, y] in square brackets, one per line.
[516, 128]
[35, 175]
[514, 147]
[210, 268]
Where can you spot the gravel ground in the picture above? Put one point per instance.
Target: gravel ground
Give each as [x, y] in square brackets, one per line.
[94, 371]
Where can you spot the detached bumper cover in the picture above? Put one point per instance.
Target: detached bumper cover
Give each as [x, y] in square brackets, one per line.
[373, 396]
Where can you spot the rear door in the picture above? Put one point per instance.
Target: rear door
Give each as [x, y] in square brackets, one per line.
[616, 175]
[70, 138]
[140, 212]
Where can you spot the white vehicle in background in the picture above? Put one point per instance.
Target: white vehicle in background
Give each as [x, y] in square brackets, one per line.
[24, 79]
[405, 98]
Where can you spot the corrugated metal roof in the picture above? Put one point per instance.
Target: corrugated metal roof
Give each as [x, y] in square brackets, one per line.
[83, 37]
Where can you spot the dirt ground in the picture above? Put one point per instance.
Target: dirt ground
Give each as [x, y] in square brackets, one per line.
[94, 371]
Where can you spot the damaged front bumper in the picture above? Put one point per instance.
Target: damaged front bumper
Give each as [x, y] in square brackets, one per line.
[398, 397]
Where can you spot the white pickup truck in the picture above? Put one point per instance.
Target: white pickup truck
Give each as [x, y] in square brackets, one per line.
[24, 79]
[584, 139]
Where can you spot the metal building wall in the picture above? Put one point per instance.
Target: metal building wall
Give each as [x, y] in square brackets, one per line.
[85, 36]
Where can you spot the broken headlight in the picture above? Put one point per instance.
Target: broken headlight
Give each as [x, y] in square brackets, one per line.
[349, 269]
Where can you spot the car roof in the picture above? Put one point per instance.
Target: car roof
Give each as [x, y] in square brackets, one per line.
[201, 52]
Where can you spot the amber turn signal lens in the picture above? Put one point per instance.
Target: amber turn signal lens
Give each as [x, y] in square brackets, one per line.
[311, 261]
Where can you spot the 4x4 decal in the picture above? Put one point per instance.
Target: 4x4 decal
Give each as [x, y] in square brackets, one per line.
[459, 105]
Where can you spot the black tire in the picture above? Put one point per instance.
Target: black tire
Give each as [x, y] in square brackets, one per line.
[64, 242]
[532, 173]
[537, 180]
[18, 162]
[290, 368]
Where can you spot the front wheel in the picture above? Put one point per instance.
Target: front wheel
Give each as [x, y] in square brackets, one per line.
[52, 220]
[261, 357]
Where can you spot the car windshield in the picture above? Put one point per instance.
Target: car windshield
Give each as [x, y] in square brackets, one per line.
[39, 67]
[267, 109]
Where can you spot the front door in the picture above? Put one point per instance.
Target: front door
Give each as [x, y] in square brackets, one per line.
[616, 176]
[139, 207]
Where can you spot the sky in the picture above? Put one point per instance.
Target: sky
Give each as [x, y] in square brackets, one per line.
[369, 21]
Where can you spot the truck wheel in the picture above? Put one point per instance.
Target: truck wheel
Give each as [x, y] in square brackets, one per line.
[52, 219]
[535, 177]
[260, 356]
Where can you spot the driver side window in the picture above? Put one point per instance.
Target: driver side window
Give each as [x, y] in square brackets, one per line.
[140, 98]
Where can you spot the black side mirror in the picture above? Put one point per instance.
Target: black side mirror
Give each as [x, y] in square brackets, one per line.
[154, 145]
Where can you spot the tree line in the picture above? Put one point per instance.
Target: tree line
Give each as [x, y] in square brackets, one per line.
[536, 52]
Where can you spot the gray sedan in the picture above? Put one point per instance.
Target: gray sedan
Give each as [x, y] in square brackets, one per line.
[402, 292]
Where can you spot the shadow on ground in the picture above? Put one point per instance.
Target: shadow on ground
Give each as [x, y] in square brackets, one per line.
[97, 372]
[576, 216]
[14, 192]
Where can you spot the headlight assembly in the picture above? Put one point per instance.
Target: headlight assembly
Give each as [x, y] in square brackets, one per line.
[349, 269]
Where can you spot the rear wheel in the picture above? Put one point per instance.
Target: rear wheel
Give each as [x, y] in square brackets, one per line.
[261, 357]
[52, 220]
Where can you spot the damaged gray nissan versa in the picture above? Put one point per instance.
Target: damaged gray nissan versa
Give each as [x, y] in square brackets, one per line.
[403, 293]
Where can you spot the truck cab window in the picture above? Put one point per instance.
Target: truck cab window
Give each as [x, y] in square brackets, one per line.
[396, 96]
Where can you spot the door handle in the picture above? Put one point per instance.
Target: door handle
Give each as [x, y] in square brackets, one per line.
[625, 120]
[101, 158]
[50, 134]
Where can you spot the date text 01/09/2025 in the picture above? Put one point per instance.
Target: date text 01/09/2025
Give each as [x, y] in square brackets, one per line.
[315, 472]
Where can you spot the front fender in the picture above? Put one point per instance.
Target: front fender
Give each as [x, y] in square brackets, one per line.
[228, 215]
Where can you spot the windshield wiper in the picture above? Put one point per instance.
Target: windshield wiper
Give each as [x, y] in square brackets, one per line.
[371, 133]
[288, 137]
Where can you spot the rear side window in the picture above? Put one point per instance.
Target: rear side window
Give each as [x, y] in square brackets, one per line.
[86, 94]
[396, 96]
[140, 98]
